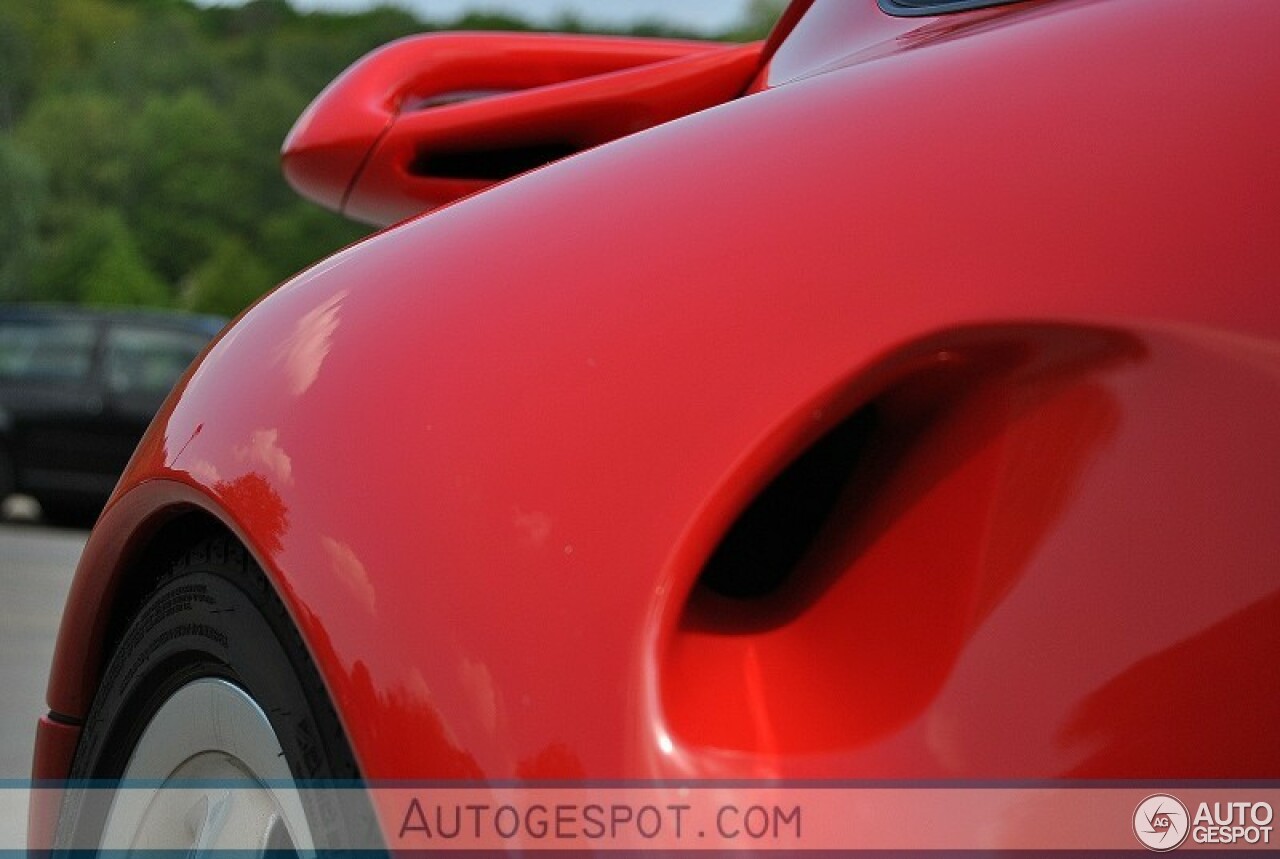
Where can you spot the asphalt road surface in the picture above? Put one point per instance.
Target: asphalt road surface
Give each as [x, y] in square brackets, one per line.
[36, 564]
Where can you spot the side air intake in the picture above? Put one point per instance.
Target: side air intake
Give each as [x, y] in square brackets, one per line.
[850, 582]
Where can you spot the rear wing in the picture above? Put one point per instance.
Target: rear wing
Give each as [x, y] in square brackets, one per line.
[429, 119]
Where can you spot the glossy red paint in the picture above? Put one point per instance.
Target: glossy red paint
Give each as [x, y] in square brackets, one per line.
[55, 746]
[429, 119]
[485, 455]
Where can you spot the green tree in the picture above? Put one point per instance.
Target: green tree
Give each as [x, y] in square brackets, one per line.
[70, 33]
[17, 61]
[229, 281]
[22, 192]
[757, 20]
[259, 115]
[97, 261]
[83, 138]
[190, 182]
[301, 234]
[163, 53]
[142, 163]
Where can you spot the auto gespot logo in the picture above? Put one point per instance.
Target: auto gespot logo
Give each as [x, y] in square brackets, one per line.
[1161, 822]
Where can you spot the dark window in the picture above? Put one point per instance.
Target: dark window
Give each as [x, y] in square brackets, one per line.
[936, 7]
[148, 360]
[46, 350]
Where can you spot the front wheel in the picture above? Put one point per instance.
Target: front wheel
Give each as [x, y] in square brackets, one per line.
[210, 690]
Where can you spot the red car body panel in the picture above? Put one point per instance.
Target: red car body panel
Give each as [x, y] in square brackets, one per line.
[485, 455]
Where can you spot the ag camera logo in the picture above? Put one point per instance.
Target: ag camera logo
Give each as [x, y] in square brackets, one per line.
[1161, 822]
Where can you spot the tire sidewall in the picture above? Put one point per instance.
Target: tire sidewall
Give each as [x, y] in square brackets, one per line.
[214, 615]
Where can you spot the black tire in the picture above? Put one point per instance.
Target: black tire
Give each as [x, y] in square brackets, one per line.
[215, 615]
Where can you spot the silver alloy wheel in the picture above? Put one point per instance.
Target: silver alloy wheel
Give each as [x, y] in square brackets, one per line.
[211, 735]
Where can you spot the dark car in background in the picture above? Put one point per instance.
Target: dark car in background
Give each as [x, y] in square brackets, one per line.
[77, 389]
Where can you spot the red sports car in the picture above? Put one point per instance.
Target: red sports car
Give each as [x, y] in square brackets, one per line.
[895, 401]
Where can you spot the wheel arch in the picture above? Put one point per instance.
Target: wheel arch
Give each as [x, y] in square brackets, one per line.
[129, 548]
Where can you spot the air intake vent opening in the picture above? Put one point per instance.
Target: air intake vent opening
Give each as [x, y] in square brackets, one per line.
[836, 608]
[489, 165]
[774, 534]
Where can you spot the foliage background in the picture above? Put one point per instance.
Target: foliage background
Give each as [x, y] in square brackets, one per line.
[139, 143]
